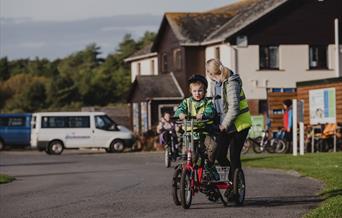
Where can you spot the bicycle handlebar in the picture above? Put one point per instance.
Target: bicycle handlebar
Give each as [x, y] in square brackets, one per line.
[189, 119]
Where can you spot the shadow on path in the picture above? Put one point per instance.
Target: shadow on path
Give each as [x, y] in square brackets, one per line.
[282, 201]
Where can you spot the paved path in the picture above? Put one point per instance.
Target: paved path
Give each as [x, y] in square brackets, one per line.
[97, 184]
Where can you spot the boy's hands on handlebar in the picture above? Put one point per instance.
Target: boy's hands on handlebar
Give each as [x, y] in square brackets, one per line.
[199, 116]
[182, 116]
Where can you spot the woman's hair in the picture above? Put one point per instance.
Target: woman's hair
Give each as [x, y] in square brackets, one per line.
[215, 67]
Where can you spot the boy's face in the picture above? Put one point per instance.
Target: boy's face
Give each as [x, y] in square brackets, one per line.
[197, 91]
[167, 116]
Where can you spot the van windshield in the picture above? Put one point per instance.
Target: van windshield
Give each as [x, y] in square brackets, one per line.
[105, 123]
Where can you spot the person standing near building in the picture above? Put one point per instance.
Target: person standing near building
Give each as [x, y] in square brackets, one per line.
[287, 119]
[234, 118]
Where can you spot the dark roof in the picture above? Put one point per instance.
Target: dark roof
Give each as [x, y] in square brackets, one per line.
[195, 27]
[147, 87]
[215, 25]
[245, 12]
[142, 53]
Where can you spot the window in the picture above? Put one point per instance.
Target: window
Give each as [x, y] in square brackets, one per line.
[268, 57]
[66, 122]
[3, 121]
[12, 121]
[277, 111]
[164, 63]
[318, 57]
[289, 90]
[152, 67]
[16, 121]
[170, 108]
[241, 41]
[217, 53]
[105, 123]
[54, 122]
[139, 69]
[79, 122]
[177, 58]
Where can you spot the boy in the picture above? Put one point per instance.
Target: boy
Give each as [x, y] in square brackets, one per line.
[202, 108]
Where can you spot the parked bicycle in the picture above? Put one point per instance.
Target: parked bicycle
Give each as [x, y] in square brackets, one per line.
[191, 177]
[265, 143]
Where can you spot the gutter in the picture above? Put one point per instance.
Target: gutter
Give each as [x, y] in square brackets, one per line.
[141, 57]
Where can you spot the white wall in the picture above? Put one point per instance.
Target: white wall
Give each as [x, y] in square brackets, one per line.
[227, 55]
[293, 64]
[145, 67]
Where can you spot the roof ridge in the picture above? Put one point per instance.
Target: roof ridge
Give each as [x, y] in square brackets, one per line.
[254, 3]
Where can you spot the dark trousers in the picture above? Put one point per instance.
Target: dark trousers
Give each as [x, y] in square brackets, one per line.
[234, 141]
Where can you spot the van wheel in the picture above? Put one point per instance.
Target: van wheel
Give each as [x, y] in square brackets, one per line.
[55, 147]
[117, 146]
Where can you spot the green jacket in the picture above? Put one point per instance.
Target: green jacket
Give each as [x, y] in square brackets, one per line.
[204, 106]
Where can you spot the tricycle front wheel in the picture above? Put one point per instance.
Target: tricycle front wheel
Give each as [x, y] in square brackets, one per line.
[185, 189]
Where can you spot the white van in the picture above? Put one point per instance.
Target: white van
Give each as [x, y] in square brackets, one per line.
[53, 132]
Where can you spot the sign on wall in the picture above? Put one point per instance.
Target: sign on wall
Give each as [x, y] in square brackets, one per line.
[322, 106]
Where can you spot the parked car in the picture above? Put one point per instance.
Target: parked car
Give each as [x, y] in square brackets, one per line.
[53, 132]
[15, 130]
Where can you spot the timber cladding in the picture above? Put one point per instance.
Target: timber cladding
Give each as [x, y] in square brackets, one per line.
[303, 89]
[275, 107]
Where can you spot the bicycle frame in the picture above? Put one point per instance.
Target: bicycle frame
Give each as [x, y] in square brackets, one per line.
[197, 171]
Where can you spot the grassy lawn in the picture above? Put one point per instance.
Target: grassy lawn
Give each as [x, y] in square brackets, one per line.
[5, 179]
[326, 167]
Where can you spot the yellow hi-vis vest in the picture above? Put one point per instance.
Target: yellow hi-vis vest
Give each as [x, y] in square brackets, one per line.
[194, 109]
[244, 119]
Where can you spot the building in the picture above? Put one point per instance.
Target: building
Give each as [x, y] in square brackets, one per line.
[272, 44]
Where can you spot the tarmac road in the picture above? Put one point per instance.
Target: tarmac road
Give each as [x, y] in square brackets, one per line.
[89, 183]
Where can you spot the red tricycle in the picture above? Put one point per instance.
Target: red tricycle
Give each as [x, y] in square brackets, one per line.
[190, 177]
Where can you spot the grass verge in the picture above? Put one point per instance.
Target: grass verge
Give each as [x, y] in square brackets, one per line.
[326, 167]
[6, 179]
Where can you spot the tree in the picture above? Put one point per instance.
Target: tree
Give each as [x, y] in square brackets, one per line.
[147, 39]
[4, 69]
[25, 93]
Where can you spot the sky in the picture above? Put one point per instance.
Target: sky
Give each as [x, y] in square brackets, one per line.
[57, 28]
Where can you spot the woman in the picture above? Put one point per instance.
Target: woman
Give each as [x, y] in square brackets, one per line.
[234, 118]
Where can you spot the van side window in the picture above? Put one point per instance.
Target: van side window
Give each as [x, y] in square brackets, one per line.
[4, 121]
[12, 121]
[16, 121]
[53, 122]
[66, 122]
[79, 122]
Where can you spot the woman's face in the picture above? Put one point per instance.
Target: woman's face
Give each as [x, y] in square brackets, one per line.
[197, 91]
[213, 72]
